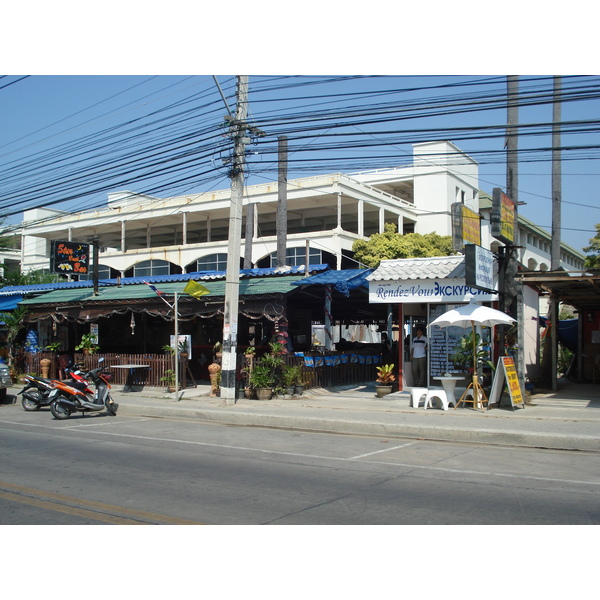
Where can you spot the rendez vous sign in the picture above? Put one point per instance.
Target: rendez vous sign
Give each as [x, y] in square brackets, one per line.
[426, 290]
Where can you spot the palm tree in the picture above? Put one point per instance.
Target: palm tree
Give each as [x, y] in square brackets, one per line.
[13, 321]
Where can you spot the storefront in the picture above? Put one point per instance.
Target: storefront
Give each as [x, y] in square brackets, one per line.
[423, 289]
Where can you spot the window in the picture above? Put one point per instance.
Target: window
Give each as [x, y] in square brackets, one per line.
[147, 268]
[297, 256]
[212, 262]
[103, 273]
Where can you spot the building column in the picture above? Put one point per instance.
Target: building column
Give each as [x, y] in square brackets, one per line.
[184, 227]
[381, 220]
[339, 211]
[123, 230]
[361, 218]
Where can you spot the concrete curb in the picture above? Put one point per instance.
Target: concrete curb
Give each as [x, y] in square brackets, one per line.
[530, 439]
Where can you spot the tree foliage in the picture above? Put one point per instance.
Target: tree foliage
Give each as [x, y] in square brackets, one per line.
[12, 277]
[592, 260]
[389, 245]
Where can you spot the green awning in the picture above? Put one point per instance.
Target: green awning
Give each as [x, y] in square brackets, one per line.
[248, 287]
[257, 297]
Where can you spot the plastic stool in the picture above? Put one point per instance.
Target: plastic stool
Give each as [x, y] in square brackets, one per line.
[416, 394]
[436, 393]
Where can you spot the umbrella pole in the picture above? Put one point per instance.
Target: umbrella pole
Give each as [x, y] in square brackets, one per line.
[474, 386]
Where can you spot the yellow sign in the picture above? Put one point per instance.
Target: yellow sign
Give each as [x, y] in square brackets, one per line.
[512, 380]
[471, 226]
[506, 371]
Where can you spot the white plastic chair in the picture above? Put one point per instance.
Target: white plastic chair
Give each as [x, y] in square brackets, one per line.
[416, 394]
[436, 393]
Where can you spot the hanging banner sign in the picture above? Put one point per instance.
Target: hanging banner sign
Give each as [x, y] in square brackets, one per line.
[426, 290]
[506, 371]
[503, 217]
[479, 267]
[466, 226]
[69, 258]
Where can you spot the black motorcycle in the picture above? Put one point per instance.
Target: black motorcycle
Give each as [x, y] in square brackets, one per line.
[66, 399]
[36, 392]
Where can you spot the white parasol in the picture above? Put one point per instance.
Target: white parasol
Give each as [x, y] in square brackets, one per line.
[473, 314]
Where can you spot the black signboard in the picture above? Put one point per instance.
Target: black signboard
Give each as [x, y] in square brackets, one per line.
[69, 258]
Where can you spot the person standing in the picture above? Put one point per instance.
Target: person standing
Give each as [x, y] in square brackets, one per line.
[418, 355]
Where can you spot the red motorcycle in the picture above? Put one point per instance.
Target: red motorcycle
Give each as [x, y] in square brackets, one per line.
[66, 399]
[36, 392]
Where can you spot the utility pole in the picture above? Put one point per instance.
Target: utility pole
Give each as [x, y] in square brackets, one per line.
[512, 299]
[282, 202]
[556, 218]
[232, 280]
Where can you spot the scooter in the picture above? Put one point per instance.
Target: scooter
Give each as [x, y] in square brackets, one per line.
[67, 399]
[36, 392]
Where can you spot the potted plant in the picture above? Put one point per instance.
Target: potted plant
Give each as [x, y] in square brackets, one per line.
[385, 378]
[292, 379]
[168, 349]
[463, 354]
[183, 349]
[218, 350]
[169, 379]
[261, 379]
[250, 352]
[87, 344]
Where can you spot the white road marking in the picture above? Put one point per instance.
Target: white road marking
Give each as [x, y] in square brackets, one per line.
[380, 451]
[333, 458]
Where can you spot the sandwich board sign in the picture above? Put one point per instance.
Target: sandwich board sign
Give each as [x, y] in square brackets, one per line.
[506, 372]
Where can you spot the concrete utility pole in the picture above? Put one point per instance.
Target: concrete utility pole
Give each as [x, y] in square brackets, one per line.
[556, 218]
[232, 280]
[512, 299]
[282, 202]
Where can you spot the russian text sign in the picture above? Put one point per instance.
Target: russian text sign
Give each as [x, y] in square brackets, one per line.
[479, 267]
[426, 290]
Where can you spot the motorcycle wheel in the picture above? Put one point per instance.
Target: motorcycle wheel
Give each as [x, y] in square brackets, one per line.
[111, 408]
[59, 412]
[29, 404]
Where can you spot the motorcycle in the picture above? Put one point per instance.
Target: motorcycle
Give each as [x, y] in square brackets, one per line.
[36, 392]
[66, 399]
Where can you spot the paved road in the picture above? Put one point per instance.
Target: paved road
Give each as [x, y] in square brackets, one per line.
[126, 470]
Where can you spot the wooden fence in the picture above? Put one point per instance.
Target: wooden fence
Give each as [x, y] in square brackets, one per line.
[319, 369]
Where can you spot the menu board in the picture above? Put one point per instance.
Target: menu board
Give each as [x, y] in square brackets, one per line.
[442, 343]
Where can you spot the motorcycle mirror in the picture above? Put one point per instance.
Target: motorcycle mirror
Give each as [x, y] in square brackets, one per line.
[101, 360]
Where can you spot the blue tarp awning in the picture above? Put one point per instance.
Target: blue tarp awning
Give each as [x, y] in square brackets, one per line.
[342, 281]
[10, 302]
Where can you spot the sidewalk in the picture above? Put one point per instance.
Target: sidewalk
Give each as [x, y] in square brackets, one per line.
[568, 419]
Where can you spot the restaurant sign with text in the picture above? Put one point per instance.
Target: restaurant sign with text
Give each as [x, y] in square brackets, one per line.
[426, 290]
[69, 258]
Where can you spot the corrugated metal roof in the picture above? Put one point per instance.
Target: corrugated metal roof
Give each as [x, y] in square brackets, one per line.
[248, 287]
[197, 275]
[405, 269]
[11, 290]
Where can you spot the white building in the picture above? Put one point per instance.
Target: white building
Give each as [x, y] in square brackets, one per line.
[140, 235]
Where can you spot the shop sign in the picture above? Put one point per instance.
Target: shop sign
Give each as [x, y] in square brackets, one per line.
[479, 267]
[466, 226]
[426, 290]
[503, 217]
[69, 258]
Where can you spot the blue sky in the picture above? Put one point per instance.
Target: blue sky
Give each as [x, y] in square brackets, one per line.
[81, 85]
[50, 113]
